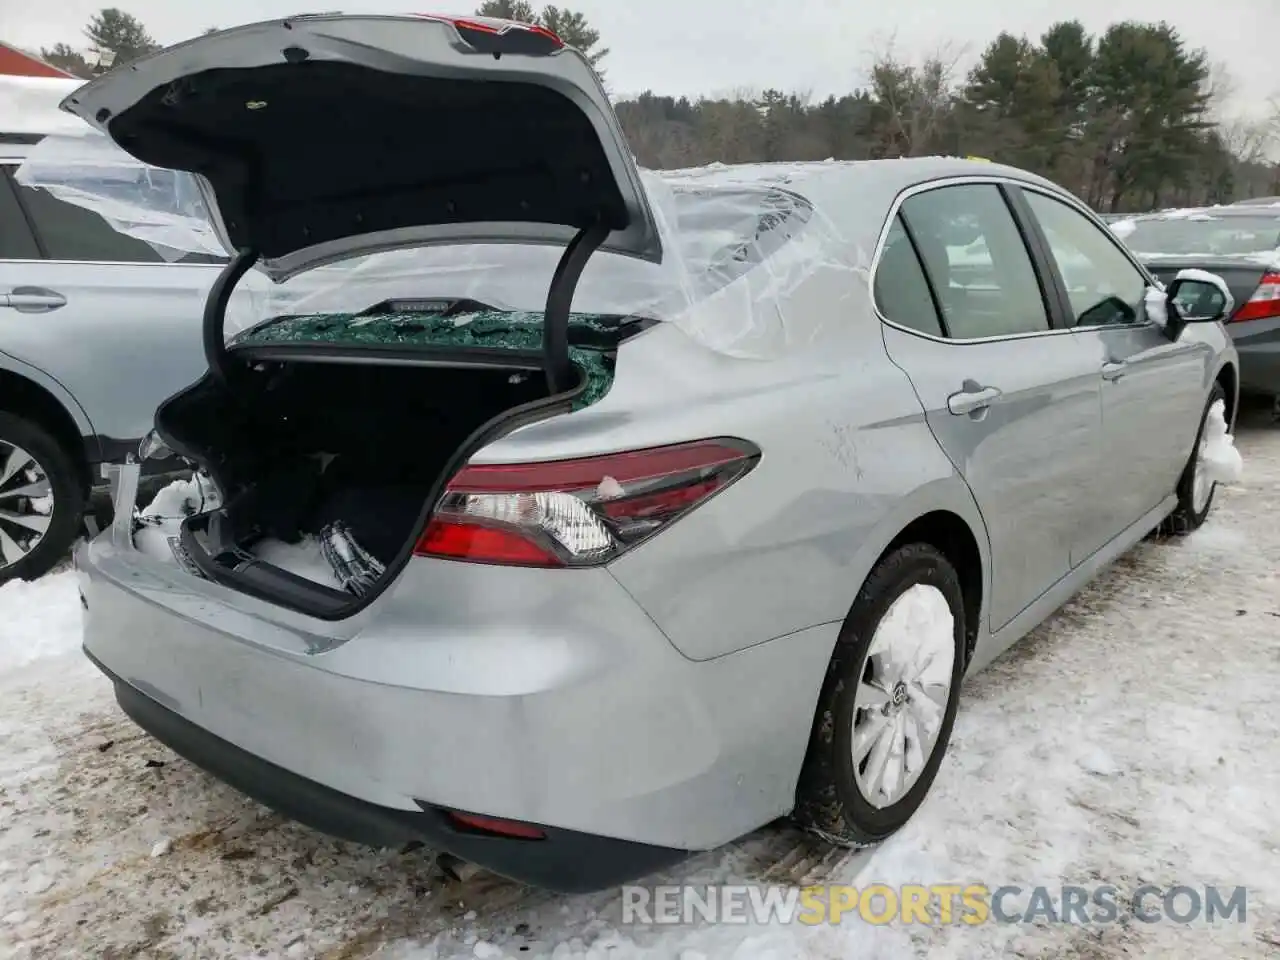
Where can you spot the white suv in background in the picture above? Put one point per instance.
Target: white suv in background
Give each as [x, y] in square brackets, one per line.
[96, 329]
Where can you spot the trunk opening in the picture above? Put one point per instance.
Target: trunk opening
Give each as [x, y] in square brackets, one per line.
[338, 432]
[359, 420]
[302, 444]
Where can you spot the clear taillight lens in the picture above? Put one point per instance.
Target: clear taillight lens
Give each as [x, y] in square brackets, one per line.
[576, 513]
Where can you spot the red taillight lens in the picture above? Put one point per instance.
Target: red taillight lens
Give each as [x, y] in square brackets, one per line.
[1264, 303]
[515, 829]
[577, 513]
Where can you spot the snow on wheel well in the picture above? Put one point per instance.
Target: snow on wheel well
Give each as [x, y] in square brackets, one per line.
[950, 534]
[1227, 378]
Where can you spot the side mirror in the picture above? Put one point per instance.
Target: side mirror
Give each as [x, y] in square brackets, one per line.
[1197, 296]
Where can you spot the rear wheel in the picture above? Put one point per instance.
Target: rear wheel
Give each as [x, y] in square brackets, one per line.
[889, 701]
[41, 499]
[1195, 489]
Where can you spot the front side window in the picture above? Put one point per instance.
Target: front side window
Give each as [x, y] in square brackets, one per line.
[977, 262]
[1104, 287]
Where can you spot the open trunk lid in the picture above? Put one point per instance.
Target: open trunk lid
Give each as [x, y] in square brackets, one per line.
[318, 138]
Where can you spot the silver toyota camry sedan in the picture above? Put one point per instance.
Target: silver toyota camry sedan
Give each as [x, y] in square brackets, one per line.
[592, 516]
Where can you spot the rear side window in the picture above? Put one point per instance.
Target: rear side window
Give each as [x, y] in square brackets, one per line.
[901, 290]
[722, 233]
[16, 241]
[71, 232]
[977, 261]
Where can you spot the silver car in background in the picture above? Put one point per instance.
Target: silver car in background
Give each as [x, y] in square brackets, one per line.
[649, 508]
[96, 329]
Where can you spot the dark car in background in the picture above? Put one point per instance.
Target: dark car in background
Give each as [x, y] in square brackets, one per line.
[1241, 244]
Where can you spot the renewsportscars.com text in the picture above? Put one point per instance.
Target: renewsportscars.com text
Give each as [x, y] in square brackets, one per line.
[933, 904]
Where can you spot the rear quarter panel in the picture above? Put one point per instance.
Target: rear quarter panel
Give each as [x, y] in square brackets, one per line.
[848, 461]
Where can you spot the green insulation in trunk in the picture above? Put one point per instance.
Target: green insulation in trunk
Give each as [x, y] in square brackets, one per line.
[493, 329]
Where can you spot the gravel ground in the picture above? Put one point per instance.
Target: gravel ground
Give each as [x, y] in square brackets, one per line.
[1131, 739]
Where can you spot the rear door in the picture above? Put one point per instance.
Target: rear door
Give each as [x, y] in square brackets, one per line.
[1011, 398]
[101, 312]
[1153, 388]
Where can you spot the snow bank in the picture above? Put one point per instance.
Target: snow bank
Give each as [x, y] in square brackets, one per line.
[41, 619]
[1223, 463]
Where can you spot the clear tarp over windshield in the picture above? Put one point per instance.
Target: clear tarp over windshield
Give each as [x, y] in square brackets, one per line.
[735, 249]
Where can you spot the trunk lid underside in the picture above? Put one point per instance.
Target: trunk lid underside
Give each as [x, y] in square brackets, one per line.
[324, 138]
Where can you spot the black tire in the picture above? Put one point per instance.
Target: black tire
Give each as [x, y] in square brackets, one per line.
[68, 497]
[1185, 518]
[828, 799]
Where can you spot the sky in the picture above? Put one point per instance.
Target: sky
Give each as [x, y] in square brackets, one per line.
[723, 46]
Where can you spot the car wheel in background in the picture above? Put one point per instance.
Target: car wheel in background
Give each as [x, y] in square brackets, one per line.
[1195, 491]
[41, 500]
[888, 701]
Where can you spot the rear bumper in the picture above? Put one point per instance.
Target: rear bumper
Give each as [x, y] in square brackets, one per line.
[565, 861]
[1258, 344]
[551, 700]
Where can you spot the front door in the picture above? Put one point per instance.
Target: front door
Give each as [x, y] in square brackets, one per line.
[1012, 400]
[1152, 387]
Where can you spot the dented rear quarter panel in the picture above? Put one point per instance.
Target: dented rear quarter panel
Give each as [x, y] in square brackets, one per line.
[847, 462]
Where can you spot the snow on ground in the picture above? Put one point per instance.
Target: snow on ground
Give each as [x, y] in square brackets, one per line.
[1131, 739]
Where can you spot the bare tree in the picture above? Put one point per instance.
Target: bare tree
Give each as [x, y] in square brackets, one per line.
[1218, 88]
[915, 99]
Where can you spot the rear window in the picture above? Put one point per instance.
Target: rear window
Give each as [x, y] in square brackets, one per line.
[1202, 234]
[713, 236]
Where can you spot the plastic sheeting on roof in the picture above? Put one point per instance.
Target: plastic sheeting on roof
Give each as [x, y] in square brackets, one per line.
[740, 245]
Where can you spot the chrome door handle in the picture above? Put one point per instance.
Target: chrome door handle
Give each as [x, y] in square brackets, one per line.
[32, 300]
[971, 401]
[1114, 371]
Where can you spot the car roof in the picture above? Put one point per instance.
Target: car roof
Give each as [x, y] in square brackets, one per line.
[31, 107]
[893, 175]
[853, 195]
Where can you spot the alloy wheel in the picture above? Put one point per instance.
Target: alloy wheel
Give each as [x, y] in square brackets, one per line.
[26, 503]
[903, 694]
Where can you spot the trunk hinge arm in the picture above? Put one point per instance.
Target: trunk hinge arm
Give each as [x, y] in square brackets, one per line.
[555, 321]
[215, 311]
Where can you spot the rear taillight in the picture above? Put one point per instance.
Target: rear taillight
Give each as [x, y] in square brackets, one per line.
[577, 513]
[1264, 303]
